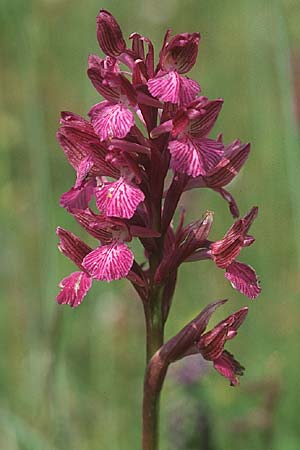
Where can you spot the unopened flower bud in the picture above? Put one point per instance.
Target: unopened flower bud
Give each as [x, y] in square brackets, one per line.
[109, 34]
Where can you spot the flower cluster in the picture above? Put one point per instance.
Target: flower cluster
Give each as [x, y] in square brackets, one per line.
[152, 122]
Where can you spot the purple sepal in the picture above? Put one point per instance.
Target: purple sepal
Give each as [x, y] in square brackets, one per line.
[109, 34]
[72, 247]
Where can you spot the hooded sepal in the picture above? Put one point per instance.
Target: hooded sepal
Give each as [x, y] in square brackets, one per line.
[109, 34]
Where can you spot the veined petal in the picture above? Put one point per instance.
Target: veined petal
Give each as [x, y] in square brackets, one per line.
[78, 198]
[165, 87]
[109, 262]
[171, 87]
[111, 120]
[195, 156]
[229, 367]
[188, 90]
[73, 289]
[118, 199]
[243, 278]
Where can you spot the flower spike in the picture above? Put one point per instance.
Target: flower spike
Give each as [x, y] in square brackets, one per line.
[143, 145]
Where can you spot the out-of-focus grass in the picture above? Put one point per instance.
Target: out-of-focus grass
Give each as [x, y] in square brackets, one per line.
[73, 379]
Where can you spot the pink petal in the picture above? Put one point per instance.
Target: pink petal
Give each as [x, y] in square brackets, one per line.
[171, 87]
[188, 90]
[243, 278]
[74, 289]
[118, 199]
[109, 262]
[195, 156]
[78, 198]
[111, 120]
[229, 367]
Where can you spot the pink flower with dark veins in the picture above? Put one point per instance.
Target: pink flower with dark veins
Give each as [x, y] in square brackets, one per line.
[211, 346]
[87, 155]
[143, 145]
[112, 117]
[192, 340]
[177, 57]
[225, 251]
[192, 152]
[119, 198]
[109, 262]
[75, 286]
[235, 156]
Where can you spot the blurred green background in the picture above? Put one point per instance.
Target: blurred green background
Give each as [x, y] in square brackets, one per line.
[72, 379]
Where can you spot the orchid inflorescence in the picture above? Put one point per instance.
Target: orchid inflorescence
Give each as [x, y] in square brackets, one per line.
[144, 146]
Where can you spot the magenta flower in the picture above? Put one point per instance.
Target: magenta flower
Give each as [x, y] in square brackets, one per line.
[176, 57]
[109, 262]
[192, 153]
[225, 252]
[211, 346]
[234, 157]
[119, 198]
[111, 118]
[75, 286]
[192, 340]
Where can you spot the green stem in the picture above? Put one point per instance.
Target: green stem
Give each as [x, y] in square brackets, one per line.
[155, 373]
[154, 322]
[154, 378]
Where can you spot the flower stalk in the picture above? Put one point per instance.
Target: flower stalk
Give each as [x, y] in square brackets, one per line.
[152, 123]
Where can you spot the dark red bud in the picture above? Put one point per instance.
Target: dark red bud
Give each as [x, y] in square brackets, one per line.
[109, 34]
